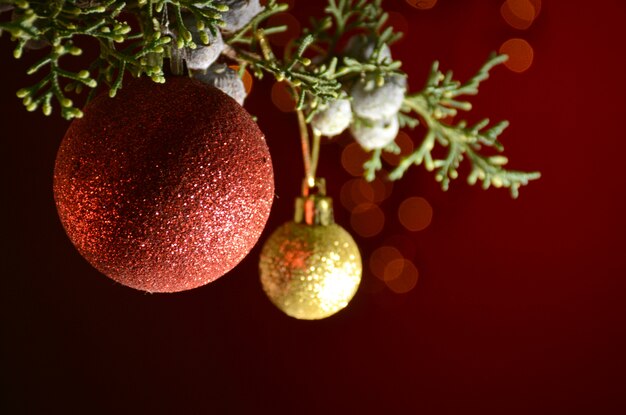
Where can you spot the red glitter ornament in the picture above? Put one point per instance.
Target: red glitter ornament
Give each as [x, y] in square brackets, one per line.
[165, 187]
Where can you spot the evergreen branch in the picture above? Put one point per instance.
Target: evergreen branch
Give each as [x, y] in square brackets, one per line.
[343, 16]
[295, 71]
[406, 121]
[41, 93]
[144, 50]
[141, 51]
[348, 15]
[435, 102]
[471, 86]
[316, 71]
[373, 165]
[352, 66]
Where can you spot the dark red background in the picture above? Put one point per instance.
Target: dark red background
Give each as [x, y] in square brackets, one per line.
[520, 307]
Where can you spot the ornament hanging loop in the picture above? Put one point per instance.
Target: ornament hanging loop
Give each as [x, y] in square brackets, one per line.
[176, 61]
[314, 187]
[176, 54]
[313, 207]
[310, 151]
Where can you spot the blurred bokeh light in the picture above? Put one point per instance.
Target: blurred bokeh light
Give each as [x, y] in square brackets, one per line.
[292, 31]
[422, 4]
[352, 159]
[520, 14]
[354, 192]
[282, 98]
[520, 54]
[415, 213]
[403, 140]
[401, 275]
[380, 258]
[246, 78]
[357, 191]
[367, 220]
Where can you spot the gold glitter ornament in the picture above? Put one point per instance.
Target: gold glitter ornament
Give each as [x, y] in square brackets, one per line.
[310, 267]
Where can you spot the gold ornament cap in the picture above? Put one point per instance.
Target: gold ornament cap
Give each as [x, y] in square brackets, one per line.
[314, 208]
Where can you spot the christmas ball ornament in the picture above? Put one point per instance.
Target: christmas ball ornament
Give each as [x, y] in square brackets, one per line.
[375, 102]
[333, 118]
[165, 187]
[310, 268]
[374, 134]
[225, 79]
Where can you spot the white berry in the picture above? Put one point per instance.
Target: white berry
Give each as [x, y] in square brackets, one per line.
[333, 118]
[225, 79]
[361, 48]
[200, 58]
[377, 102]
[374, 134]
[239, 13]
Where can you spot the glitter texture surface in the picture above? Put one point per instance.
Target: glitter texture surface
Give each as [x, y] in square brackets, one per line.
[165, 187]
[310, 271]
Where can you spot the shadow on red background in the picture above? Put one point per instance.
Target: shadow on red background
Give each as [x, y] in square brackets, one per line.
[520, 307]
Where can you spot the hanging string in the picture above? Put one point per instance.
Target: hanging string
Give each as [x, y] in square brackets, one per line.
[176, 55]
[304, 143]
[310, 157]
[310, 152]
[315, 153]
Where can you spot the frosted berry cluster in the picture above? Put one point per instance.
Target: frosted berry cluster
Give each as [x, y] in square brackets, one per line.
[203, 60]
[369, 108]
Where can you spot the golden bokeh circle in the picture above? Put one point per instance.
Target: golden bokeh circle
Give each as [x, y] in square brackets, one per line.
[415, 213]
[401, 275]
[367, 220]
[520, 54]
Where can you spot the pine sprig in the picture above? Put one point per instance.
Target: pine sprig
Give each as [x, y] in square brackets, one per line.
[342, 19]
[316, 84]
[442, 90]
[122, 48]
[207, 14]
[313, 67]
[373, 165]
[162, 30]
[347, 15]
[439, 100]
[296, 71]
[49, 87]
[56, 24]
